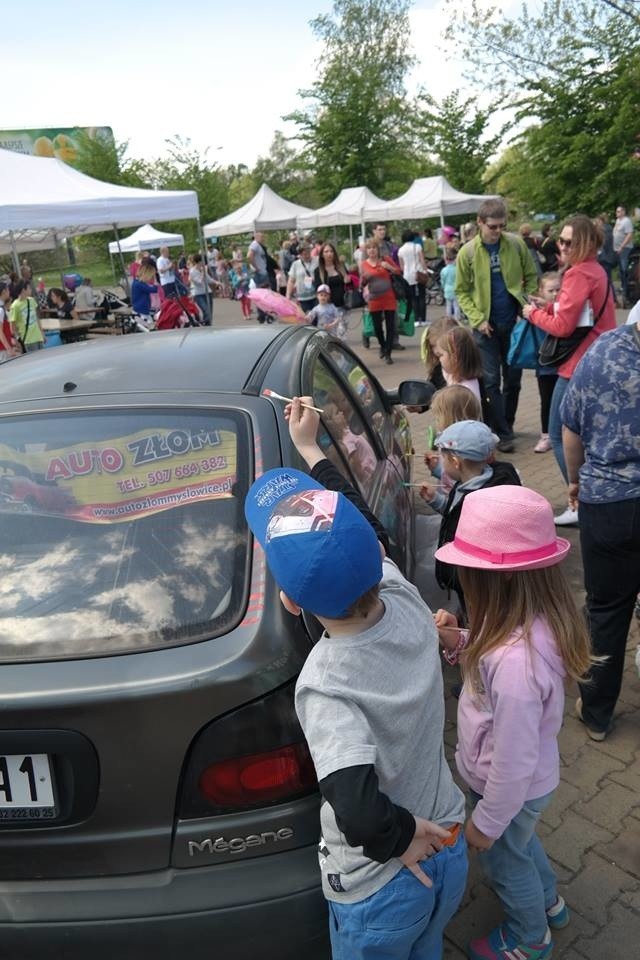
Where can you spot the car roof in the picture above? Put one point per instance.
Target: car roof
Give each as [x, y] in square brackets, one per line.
[188, 359]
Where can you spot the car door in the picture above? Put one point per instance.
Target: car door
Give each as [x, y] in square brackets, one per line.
[362, 438]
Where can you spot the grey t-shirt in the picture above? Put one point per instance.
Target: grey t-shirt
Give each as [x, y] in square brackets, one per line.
[259, 258]
[377, 698]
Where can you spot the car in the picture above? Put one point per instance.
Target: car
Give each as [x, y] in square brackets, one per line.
[157, 796]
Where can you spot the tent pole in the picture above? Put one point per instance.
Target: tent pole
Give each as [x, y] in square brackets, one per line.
[203, 245]
[122, 264]
[441, 214]
[350, 242]
[113, 268]
[58, 258]
[14, 252]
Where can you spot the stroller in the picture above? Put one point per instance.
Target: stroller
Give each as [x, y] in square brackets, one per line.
[178, 312]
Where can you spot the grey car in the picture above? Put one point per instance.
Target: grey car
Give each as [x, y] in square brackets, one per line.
[156, 793]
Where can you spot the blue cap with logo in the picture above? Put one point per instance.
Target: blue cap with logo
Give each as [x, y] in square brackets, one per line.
[320, 549]
[469, 439]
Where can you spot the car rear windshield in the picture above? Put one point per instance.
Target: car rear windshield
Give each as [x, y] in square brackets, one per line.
[121, 530]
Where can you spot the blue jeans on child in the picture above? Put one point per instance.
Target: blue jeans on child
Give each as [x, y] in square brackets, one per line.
[404, 920]
[519, 871]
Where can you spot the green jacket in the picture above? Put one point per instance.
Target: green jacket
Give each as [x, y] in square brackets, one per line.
[473, 278]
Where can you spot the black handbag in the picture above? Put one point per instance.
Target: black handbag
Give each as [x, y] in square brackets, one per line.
[555, 350]
[401, 288]
[353, 299]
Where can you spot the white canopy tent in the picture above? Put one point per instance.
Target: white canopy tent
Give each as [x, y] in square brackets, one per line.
[350, 207]
[428, 197]
[265, 211]
[43, 198]
[146, 238]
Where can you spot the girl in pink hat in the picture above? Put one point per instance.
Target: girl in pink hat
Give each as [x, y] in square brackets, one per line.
[525, 637]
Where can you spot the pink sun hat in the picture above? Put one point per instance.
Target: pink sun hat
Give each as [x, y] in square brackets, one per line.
[505, 528]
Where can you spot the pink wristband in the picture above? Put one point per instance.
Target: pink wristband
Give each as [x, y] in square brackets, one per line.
[451, 656]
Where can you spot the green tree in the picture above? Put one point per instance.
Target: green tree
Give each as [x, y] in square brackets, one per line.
[570, 74]
[287, 172]
[358, 125]
[455, 132]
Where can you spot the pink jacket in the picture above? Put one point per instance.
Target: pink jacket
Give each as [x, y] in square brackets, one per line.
[507, 738]
[582, 282]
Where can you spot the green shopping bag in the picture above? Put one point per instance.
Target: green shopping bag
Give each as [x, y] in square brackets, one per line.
[405, 327]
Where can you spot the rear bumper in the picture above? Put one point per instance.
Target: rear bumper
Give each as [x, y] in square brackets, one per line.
[270, 906]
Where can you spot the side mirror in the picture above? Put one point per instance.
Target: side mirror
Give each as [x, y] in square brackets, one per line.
[412, 393]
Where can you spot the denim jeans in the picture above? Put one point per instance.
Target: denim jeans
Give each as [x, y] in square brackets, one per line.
[555, 424]
[623, 265]
[610, 541]
[203, 302]
[519, 871]
[404, 920]
[502, 403]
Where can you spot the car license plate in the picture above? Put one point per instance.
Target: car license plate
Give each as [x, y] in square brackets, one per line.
[26, 787]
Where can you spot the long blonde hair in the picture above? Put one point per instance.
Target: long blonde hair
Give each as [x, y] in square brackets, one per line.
[501, 604]
[431, 336]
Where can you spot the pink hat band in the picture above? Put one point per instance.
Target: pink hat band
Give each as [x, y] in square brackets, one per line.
[513, 556]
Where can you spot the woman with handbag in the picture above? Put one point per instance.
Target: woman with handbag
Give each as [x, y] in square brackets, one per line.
[584, 309]
[23, 317]
[375, 275]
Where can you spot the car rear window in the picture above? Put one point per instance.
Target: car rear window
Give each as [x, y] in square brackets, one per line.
[121, 530]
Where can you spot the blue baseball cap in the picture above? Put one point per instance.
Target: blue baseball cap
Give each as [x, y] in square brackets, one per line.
[320, 549]
[469, 439]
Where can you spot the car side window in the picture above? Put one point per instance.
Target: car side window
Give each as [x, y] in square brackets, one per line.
[364, 389]
[342, 433]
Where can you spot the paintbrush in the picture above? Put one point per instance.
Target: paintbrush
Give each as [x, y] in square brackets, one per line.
[278, 396]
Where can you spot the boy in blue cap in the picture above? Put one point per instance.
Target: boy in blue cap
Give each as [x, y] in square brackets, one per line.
[370, 701]
[467, 449]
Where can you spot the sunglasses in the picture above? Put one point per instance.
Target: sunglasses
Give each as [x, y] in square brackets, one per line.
[495, 226]
[563, 242]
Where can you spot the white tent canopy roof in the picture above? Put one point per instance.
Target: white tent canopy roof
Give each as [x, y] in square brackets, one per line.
[41, 195]
[351, 206]
[428, 197]
[146, 238]
[265, 211]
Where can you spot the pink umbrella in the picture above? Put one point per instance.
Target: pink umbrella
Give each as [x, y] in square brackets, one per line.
[275, 303]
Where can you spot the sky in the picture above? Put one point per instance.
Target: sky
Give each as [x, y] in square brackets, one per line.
[221, 74]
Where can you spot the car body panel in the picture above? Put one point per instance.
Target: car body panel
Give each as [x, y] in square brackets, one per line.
[133, 860]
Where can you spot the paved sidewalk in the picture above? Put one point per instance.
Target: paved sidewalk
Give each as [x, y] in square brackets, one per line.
[592, 829]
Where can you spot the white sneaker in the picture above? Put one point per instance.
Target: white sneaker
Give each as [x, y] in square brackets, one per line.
[567, 518]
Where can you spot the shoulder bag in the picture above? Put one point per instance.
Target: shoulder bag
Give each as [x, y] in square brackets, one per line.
[556, 350]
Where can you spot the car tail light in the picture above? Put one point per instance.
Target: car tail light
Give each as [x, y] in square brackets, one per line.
[252, 757]
[260, 778]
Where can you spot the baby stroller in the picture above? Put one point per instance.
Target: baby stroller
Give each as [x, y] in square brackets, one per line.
[178, 312]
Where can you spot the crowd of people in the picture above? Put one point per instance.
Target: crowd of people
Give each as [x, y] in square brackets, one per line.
[369, 698]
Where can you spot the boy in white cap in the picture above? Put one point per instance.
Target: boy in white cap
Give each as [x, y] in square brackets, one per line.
[370, 702]
[467, 449]
[326, 316]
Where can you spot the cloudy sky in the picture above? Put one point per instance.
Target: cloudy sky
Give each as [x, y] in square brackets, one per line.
[221, 74]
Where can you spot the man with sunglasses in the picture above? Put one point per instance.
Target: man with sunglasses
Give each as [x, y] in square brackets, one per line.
[494, 275]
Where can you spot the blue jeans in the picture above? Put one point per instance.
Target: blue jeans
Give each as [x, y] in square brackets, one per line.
[404, 920]
[203, 302]
[502, 403]
[623, 265]
[555, 424]
[519, 871]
